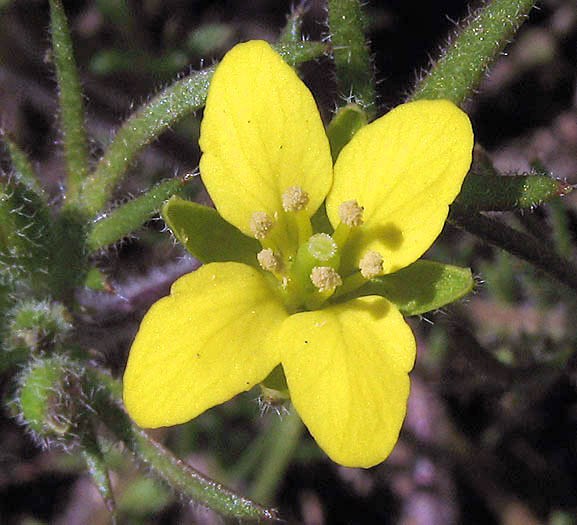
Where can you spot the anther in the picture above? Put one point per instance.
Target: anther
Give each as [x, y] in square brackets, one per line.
[294, 199]
[268, 260]
[260, 224]
[371, 265]
[351, 213]
[325, 278]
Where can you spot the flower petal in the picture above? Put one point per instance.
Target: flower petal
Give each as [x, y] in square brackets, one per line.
[201, 345]
[347, 371]
[261, 133]
[405, 169]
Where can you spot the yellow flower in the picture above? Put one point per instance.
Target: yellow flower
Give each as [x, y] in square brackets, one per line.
[267, 166]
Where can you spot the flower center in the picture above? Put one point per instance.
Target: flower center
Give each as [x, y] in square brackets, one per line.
[309, 278]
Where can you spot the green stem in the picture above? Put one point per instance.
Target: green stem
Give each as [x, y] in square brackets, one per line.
[353, 64]
[131, 216]
[177, 474]
[471, 50]
[284, 438]
[71, 103]
[172, 104]
[518, 243]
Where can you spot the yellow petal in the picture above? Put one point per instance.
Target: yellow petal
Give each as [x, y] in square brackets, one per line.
[201, 345]
[347, 371]
[261, 134]
[404, 169]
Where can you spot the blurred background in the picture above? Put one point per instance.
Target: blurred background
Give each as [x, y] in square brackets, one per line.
[491, 432]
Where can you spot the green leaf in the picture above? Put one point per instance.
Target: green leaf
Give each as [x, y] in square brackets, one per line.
[131, 216]
[472, 49]
[342, 128]
[507, 193]
[421, 287]
[206, 235]
[21, 163]
[96, 464]
[353, 65]
[70, 101]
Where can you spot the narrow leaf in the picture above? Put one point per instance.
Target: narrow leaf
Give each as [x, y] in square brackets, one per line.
[23, 166]
[206, 235]
[92, 455]
[71, 102]
[131, 216]
[354, 68]
[172, 104]
[421, 287]
[177, 474]
[472, 49]
[507, 193]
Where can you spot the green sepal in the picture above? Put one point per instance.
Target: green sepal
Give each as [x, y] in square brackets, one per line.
[37, 327]
[274, 388]
[421, 287]
[44, 397]
[346, 122]
[206, 235]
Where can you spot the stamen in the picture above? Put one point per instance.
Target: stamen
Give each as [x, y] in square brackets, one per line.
[351, 213]
[294, 199]
[325, 278]
[260, 225]
[269, 261]
[371, 265]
